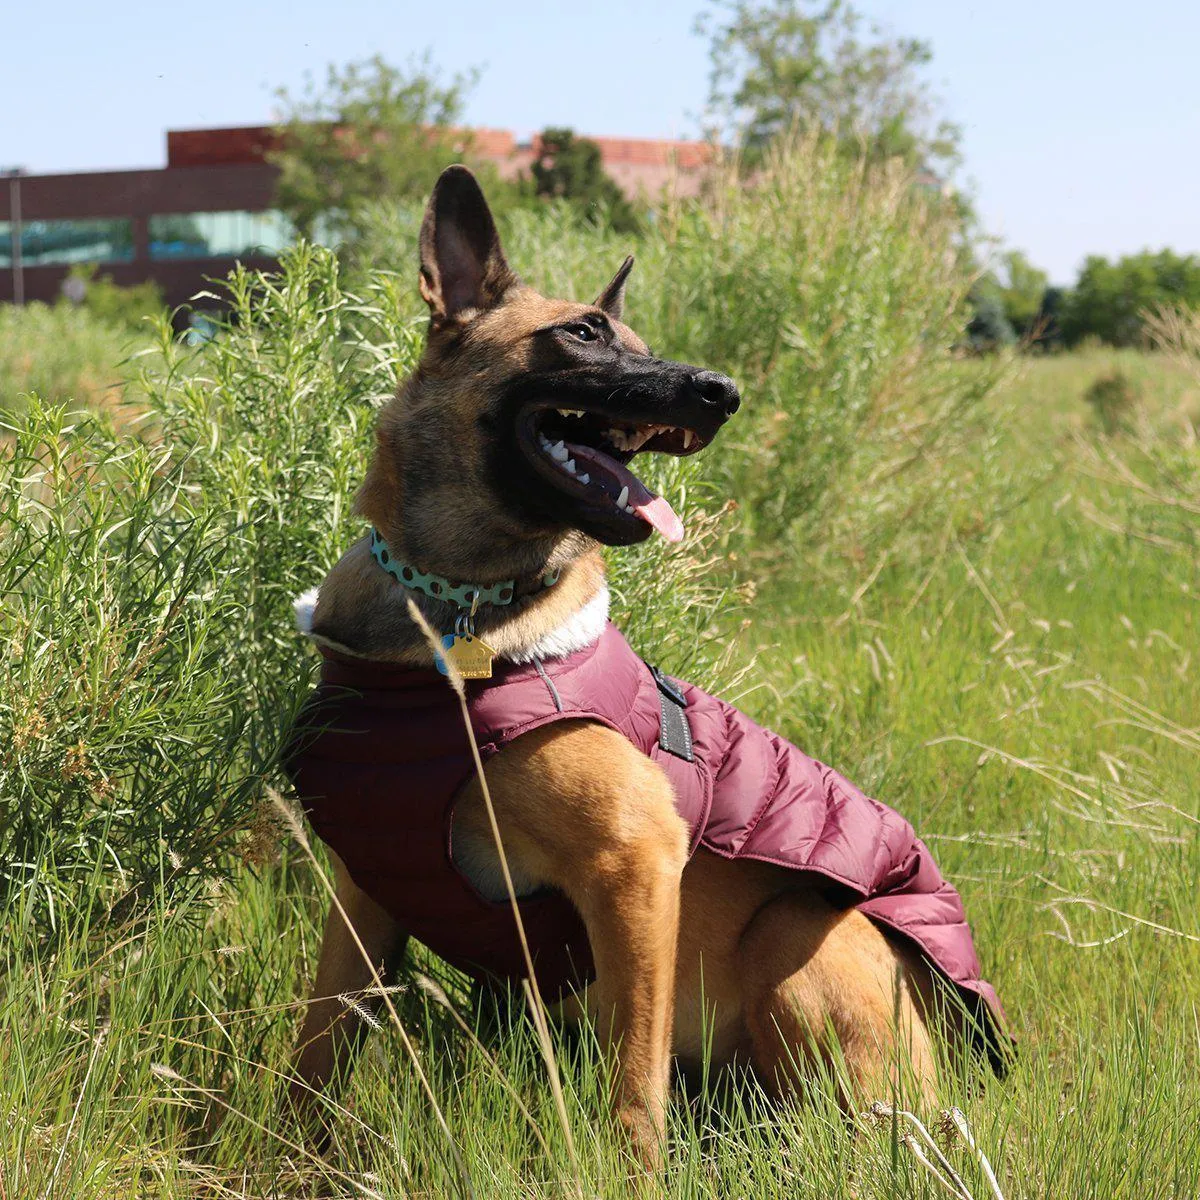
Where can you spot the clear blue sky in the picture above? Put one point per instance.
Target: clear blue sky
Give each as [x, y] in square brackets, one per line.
[1081, 120]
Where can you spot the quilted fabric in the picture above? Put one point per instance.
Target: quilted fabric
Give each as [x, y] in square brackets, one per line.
[381, 753]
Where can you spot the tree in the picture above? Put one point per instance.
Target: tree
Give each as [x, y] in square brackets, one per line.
[1110, 299]
[570, 168]
[370, 132]
[778, 63]
[989, 327]
[1023, 293]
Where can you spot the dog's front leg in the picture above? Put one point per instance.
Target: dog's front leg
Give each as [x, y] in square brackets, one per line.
[584, 812]
[630, 905]
[334, 1023]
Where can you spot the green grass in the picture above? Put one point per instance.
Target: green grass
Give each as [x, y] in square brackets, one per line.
[975, 604]
[60, 353]
[1029, 699]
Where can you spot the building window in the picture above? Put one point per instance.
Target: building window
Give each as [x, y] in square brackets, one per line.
[218, 234]
[47, 243]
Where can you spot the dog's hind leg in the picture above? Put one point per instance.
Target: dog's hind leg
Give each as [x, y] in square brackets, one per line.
[828, 995]
[338, 1016]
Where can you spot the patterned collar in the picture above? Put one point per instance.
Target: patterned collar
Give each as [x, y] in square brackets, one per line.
[465, 595]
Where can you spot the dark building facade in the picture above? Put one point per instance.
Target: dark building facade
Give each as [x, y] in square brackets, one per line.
[176, 225]
[211, 206]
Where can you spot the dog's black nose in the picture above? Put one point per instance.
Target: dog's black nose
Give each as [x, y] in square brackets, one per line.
[718, 390]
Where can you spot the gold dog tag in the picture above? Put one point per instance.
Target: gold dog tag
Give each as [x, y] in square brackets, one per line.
[471, 655]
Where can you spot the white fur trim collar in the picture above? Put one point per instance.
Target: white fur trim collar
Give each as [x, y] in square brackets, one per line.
[580, 630]
[305, 608]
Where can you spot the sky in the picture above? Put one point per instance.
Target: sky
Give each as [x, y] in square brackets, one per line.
[1081, 121]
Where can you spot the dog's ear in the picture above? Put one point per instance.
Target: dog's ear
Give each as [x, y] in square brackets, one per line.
[462, 264]
[612, 299]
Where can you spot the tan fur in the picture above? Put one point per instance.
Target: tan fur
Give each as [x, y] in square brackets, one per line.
[333, 1022]
[456, 529]
[734, 953]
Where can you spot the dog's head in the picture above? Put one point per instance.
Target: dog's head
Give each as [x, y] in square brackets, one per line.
[510, 445]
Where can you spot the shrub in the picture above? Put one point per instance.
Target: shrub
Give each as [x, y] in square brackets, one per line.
[121, 307]
[989, 327]
[149, 666]
[61, 353]
[569, 167]
[123, 731]
[1113, 399]
[831, 290]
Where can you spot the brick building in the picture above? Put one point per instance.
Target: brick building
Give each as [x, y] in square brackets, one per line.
[211, 206]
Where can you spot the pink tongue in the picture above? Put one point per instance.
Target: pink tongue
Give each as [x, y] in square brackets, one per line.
[657, 512]
[652, 509]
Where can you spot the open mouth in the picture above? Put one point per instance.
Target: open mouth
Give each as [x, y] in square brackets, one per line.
[585, 454]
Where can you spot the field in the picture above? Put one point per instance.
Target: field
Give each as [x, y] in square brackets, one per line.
[961, 591]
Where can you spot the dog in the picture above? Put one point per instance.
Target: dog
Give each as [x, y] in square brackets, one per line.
[690, 881]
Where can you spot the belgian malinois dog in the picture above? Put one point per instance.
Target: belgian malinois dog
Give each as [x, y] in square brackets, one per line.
[504, 460]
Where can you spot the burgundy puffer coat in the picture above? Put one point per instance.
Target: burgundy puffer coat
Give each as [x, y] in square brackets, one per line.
[381, 753]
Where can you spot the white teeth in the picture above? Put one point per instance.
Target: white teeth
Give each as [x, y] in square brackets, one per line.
[585, 479]
[688, 437]
[559, 452]
[570, 412]
[569, 466]
[623, 497]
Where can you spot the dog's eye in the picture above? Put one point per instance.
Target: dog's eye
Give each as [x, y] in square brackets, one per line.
[583, 331]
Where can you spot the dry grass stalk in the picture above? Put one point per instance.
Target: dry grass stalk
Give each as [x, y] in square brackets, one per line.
[172, 1076]
[921, 1145]
[537, 1006]
[957, 1120]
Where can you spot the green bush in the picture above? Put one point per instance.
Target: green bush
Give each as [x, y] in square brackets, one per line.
[123, 307]
[150, 666]
[61, 353]
[832, 291]
[125, 735]
[1113, 399]
[570, 167]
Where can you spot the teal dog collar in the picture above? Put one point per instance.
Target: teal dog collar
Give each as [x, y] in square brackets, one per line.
[464, 595]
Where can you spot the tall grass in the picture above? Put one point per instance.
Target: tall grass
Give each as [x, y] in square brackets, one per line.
[61, 353]
[955, 606]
